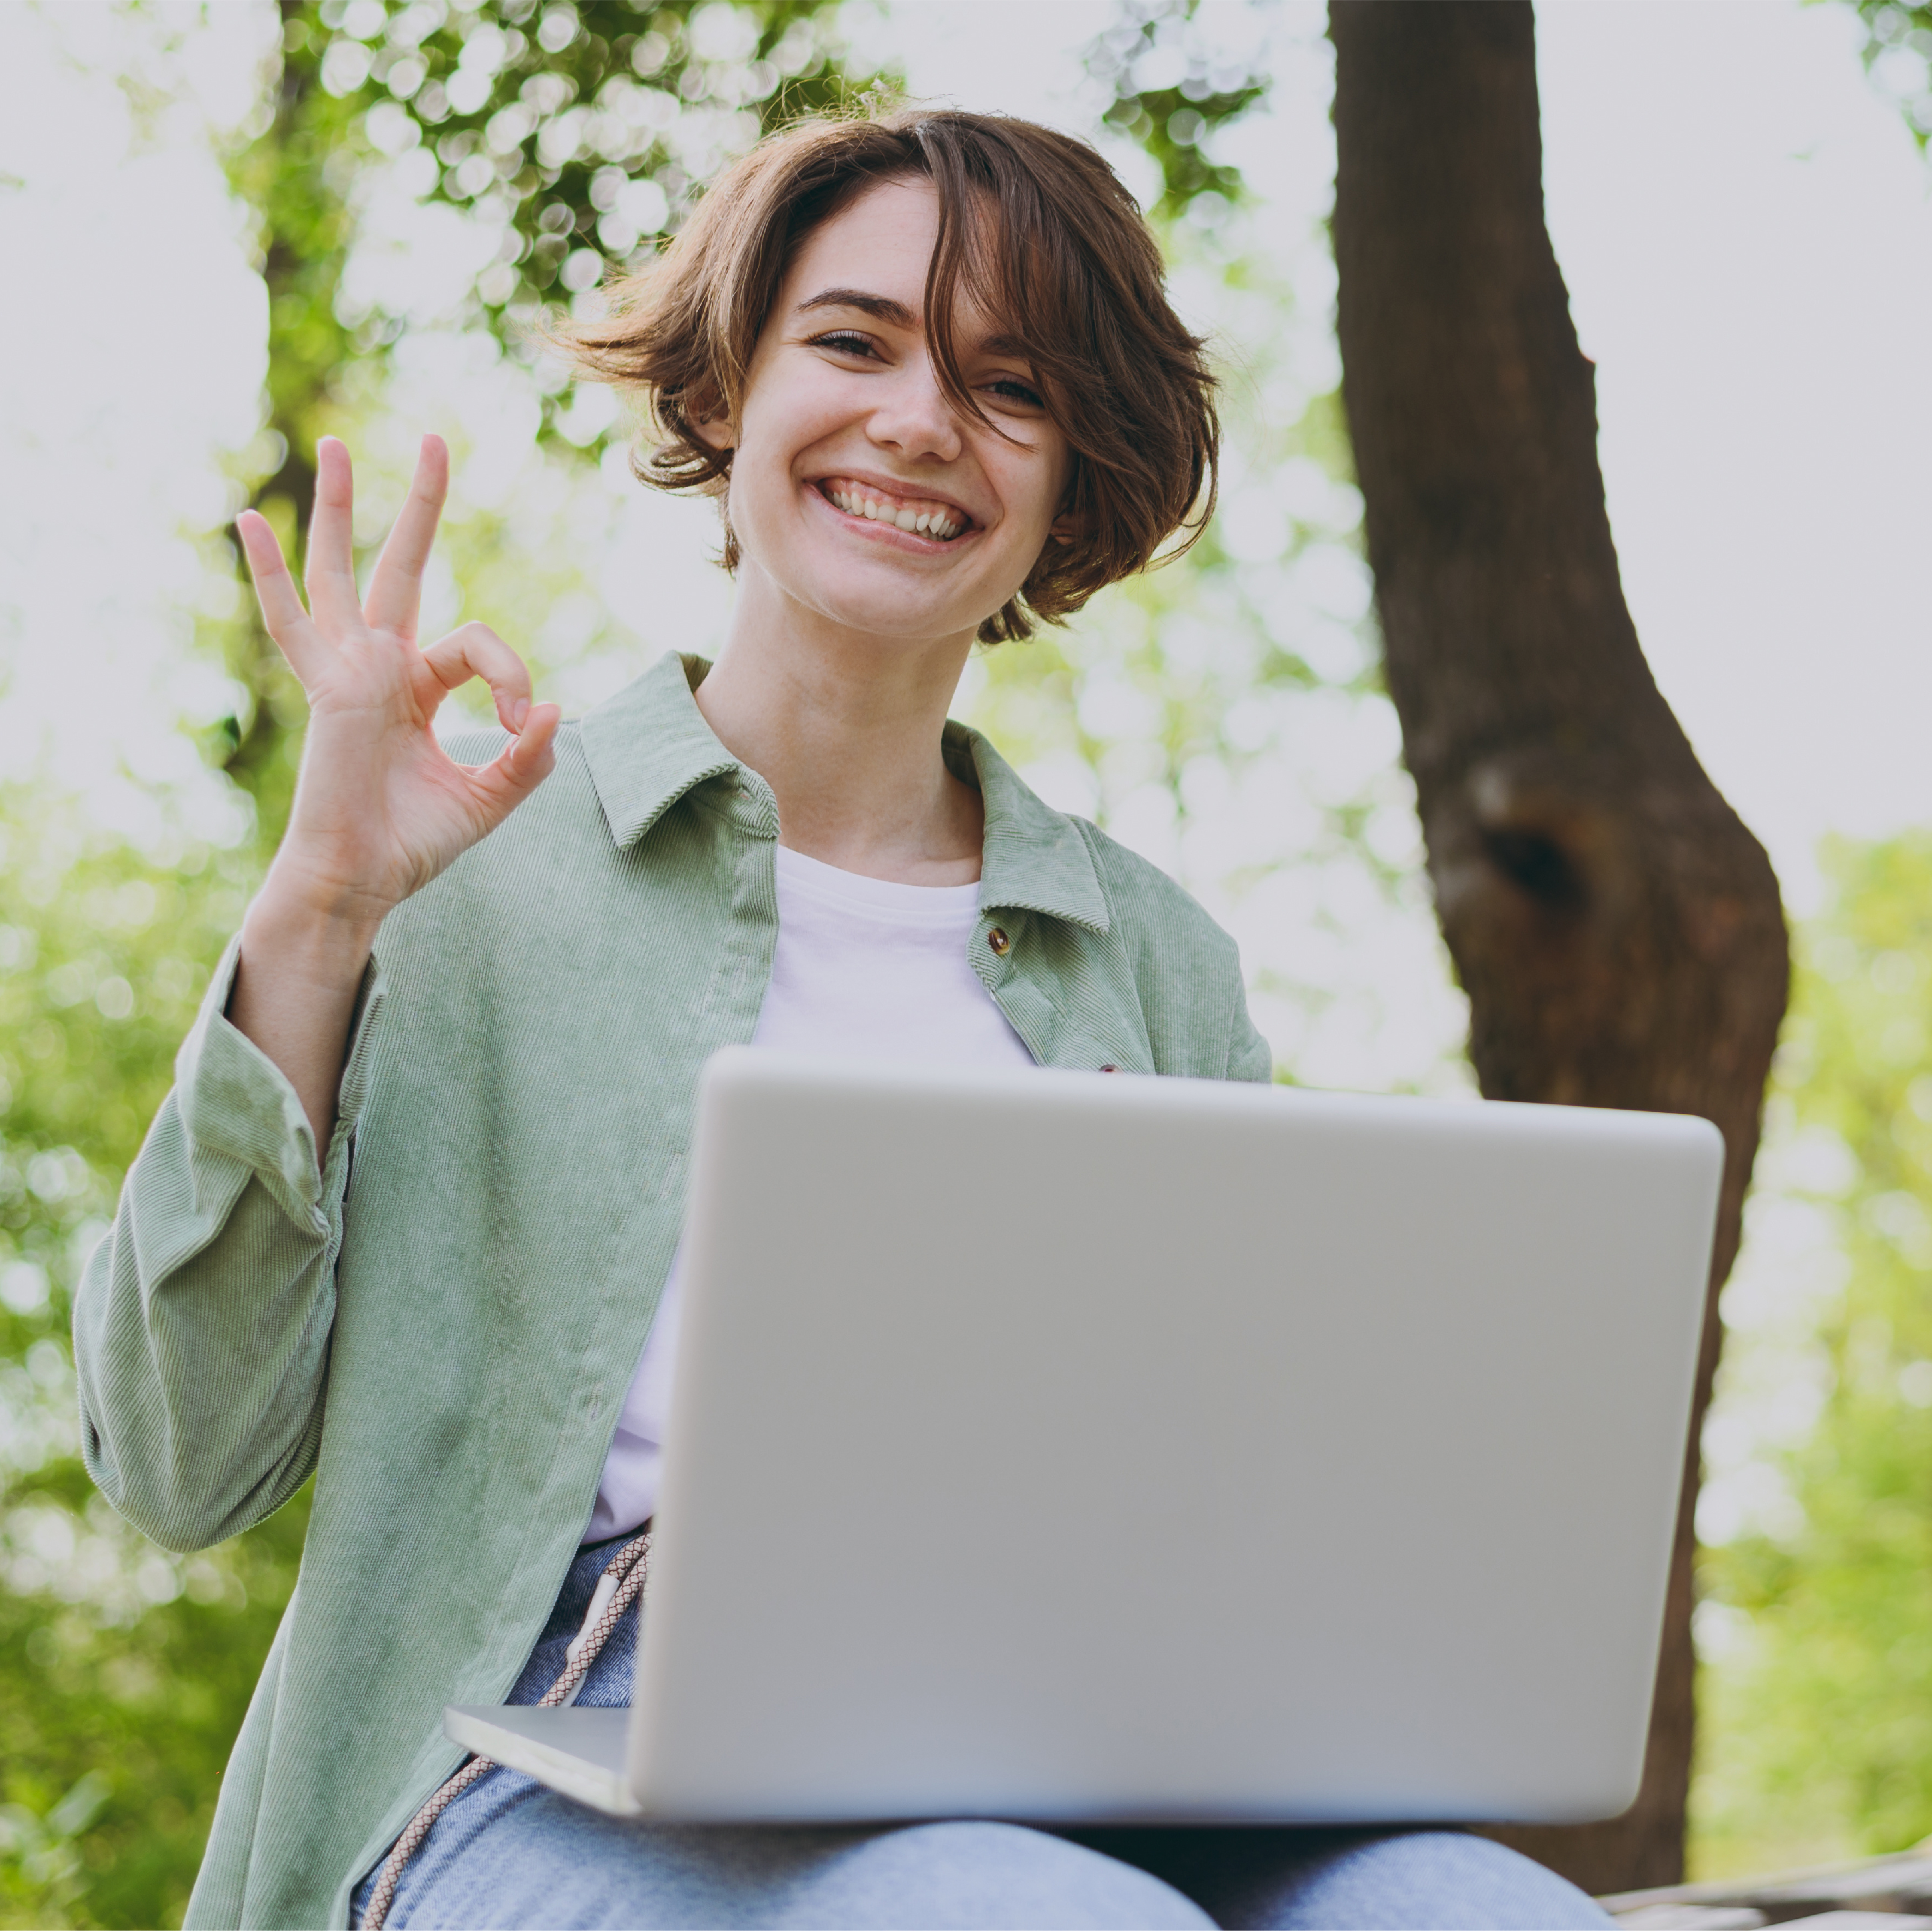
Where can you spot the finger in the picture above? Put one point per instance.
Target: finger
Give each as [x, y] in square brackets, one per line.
[297, 639]
[331, 571]
[502, 784]
[395, 591]
[475, 650]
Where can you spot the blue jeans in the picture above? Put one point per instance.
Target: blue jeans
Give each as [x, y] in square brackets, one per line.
[510, 1853]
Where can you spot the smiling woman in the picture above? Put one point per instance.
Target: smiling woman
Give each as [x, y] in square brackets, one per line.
[928, 364]
[1035, 296]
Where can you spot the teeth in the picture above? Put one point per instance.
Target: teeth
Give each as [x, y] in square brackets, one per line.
[926, 522]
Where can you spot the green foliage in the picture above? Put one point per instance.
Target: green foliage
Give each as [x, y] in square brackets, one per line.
[1174, 119]
[124, 1671]
[1898, 52]
[119, 1712]
[578, 138]
[1818, 1704]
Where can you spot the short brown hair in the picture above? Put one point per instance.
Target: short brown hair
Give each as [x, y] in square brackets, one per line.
[1041, 225]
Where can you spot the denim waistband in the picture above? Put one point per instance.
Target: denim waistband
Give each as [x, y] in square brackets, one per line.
[609, 1685]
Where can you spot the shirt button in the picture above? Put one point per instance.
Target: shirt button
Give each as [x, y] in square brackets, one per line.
[998, 941]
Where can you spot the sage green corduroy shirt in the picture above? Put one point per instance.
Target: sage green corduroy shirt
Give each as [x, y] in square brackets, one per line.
[441, 1320]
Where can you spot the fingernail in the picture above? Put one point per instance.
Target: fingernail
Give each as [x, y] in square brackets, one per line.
[520, 711]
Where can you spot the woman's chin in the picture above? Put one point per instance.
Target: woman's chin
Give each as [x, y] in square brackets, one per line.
[874, 604]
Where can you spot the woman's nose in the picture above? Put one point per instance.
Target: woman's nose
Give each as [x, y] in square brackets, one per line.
[915, 416]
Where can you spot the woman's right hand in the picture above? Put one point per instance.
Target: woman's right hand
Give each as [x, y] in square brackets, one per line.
[380, 808]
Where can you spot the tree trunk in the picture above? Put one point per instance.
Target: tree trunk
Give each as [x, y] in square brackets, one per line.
[1617, 930]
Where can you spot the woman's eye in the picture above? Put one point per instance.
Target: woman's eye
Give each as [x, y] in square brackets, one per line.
[1011, 390]
[846, 341]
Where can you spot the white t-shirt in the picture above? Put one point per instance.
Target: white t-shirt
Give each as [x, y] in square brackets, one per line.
[865, 969]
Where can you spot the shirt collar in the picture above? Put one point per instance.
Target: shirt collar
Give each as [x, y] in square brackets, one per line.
[1034, 858]
[648, 746]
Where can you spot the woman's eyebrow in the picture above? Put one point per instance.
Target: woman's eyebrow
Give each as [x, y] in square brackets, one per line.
[881, 308]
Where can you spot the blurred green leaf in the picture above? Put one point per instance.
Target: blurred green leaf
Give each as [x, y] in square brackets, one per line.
[1898, 56]
[1817, 1705]
[1173, 92]
[126, 1670]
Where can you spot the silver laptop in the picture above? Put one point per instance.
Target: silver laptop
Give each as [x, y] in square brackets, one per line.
[1076, 1447]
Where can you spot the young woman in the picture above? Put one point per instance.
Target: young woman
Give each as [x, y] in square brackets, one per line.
[409, 1218]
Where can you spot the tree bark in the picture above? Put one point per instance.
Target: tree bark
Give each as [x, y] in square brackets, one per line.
[1617, 930]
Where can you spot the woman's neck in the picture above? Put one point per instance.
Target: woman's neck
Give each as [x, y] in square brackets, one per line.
[846, 729]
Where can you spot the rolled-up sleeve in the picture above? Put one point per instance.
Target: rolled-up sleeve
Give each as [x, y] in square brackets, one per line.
[202, 1322]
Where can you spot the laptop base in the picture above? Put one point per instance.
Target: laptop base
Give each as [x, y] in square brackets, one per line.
[581, 1753]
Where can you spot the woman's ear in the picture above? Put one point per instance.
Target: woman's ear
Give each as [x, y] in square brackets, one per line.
[716, 432]
[1063, 529]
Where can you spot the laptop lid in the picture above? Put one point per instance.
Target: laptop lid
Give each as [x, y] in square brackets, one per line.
[1060, 1445]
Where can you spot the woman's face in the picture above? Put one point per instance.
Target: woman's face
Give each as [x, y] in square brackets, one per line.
[857, 491]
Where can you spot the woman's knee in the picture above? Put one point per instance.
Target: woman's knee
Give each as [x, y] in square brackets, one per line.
[1423, 1879]
[980, 1873]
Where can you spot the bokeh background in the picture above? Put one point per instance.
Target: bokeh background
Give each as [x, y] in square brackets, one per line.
[1743, 211]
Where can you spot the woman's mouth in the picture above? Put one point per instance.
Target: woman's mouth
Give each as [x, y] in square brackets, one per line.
[919, 516]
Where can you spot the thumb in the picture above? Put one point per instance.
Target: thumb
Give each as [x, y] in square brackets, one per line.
[499, 786]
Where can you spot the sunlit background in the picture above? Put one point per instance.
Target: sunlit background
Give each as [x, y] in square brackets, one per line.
[1741, 213]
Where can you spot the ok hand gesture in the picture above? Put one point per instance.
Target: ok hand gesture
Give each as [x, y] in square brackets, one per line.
[380, 808]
